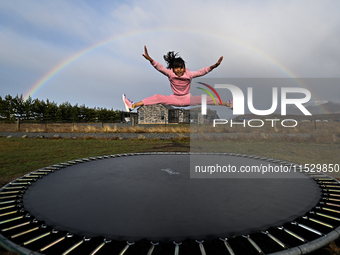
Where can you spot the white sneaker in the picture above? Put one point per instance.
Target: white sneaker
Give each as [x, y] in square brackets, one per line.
[230, 104]
[128, 103]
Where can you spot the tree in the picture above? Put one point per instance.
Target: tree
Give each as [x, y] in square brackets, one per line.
[38, 110]
[7, 107]
[51, 111]
[27, 106]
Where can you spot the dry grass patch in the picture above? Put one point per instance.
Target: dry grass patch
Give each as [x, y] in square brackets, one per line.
[92, 128]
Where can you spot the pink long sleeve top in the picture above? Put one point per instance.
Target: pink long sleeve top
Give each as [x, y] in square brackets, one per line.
[180, 85]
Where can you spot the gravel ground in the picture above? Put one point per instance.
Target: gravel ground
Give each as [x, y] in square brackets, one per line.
[94, 135]
[157, 135]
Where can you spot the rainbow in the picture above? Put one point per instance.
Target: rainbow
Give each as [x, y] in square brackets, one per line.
[76, 56]
[68, 61]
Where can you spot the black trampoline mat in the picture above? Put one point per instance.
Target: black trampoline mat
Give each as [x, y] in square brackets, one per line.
[134, 197]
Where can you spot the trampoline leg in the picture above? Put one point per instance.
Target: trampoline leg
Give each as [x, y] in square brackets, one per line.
[177, 248]
[73, 247]
[292, 234]
[76, 245]
[126, 247]
[23, 233]
[12, 219]
[319, 222]
[8, 213]
[275, 239]
[254, 244]
[16, 226]
[152, 248]
[37, 238]
[8, 202]
[227, 245]
[100, 246]
[327, 216]
[200, 243]
[97, 249]
[307, 228]
[53, 243]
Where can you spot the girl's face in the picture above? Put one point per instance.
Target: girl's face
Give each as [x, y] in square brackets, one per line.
[179, 71]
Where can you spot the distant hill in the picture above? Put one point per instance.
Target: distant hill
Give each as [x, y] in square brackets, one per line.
[320, 110]
[315, 117]
[314, 107]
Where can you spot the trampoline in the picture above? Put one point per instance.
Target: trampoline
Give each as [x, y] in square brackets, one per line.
[151, 203]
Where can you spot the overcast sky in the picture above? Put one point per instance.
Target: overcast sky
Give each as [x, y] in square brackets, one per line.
[280, 39]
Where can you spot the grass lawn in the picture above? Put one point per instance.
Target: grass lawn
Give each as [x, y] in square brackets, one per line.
[19, 156]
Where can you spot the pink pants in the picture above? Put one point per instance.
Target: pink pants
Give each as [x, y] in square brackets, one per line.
[179, 101]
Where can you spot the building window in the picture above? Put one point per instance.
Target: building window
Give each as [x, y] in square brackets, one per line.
[162, 115]
[141, 115]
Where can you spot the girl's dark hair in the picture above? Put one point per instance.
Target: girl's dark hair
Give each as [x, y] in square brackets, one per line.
[174, 61]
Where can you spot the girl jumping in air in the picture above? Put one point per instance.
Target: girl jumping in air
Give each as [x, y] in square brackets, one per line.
[180, 81]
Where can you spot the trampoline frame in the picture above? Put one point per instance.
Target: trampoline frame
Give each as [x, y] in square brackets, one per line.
[11, 199]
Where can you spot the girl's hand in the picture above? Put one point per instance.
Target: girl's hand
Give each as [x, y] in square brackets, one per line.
[217, 63]
[146, 55]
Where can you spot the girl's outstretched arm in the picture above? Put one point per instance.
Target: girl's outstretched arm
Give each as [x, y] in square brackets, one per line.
[146, 55]
[217, 63]
[155, 64]
[206, 70]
